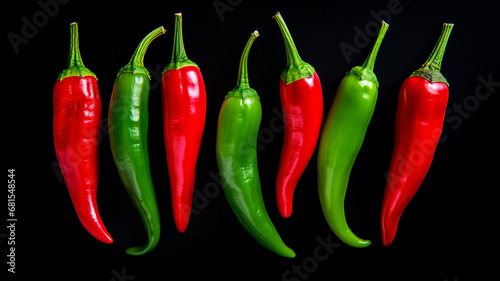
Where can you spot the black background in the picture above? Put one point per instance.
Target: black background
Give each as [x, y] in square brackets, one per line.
[448, 232]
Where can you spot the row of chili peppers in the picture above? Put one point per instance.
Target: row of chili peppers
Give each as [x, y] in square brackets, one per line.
[77, 115]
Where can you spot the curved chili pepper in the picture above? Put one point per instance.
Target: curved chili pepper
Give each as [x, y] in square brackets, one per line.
[341, 139]
[302, 105]
[236, 147]
[184, 108]
[77, 121]
[128, 130]
[419, 120]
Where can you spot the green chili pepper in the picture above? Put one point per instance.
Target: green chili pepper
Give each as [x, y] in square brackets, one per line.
[341, 140]
[128, 130]
[237, 131]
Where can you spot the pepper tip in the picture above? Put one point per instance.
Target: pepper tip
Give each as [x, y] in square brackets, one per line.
[288, 253]
[388, 232]
[277, 14]
[106, 239]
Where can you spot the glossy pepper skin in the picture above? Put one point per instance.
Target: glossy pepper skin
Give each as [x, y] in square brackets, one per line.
[341, 139]
[77, 121]
[302, 104]
[236, 149]
[419, 121]
[128, 130]
[184, 109]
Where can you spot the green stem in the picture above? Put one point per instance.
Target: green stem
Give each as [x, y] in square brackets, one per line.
[296, 68]
[370, 60]
[242, 89]
[431, 69]
[436, 58]
[75, 63]
[179, 58]
[74, 58]
[365, 72]
[243, 70]
[136, 64]
[292, 55]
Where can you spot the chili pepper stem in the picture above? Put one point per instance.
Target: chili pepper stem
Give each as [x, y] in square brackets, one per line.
[430, 70]
[242, 88]
[296, 68]
[136, 64]
[365, 72]
[292, 55]
[370, 60]
[436, 58]
[75, 63]
[243, 67]
[179, 57]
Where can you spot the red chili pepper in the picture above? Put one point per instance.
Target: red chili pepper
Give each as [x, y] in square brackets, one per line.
[77, 120]
[184, 108]
[419, 120]
[302, 104]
